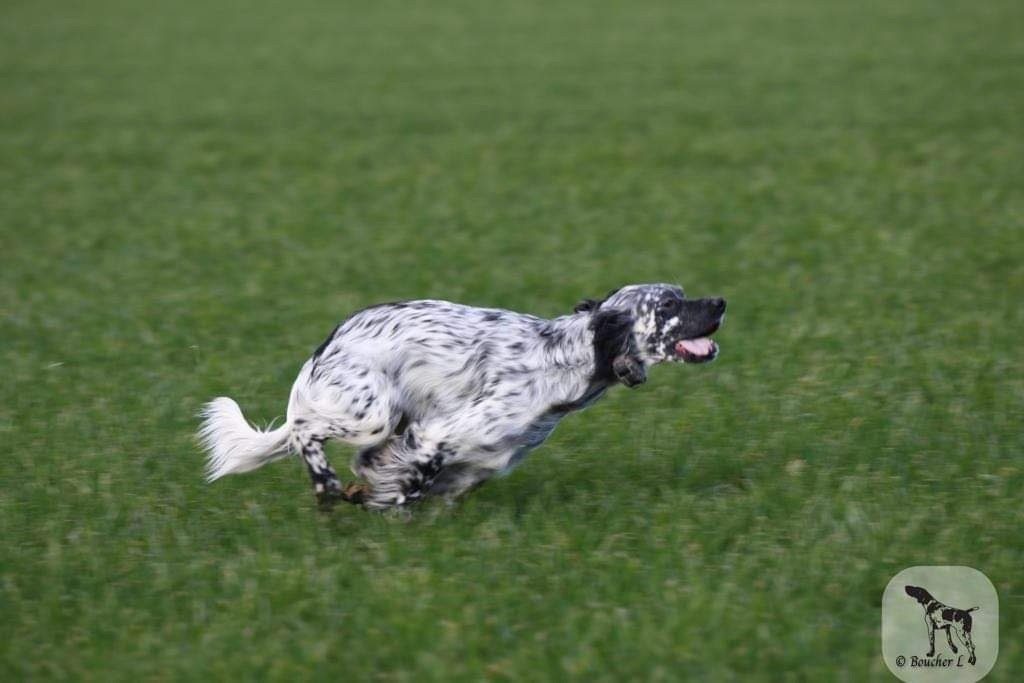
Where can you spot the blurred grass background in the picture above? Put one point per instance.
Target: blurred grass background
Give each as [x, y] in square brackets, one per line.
[192, 194]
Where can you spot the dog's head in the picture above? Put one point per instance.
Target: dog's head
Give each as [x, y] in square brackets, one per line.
[919, 594]
[666, 325]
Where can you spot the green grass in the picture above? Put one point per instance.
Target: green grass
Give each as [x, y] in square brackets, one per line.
[192, 194]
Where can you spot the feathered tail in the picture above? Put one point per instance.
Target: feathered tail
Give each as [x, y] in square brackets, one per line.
[233, 445]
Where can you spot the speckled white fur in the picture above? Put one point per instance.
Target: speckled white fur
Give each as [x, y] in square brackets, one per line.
[440, 396]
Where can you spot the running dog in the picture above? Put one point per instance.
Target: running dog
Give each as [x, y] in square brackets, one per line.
[439, 397]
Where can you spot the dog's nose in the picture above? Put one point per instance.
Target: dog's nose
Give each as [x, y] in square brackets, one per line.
[718, 304]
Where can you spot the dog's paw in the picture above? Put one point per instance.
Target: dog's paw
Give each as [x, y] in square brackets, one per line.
[355, 493]
[328, 493]
[629, 370]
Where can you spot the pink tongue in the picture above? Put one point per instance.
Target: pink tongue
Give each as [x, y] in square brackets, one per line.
[697, 347]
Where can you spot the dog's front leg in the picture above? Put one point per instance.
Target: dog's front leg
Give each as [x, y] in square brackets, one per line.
[402, 472]
[931, 636]
[949, 639]
[454, 481]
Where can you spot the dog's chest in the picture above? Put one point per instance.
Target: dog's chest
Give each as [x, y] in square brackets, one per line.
[540, 429]
[534, 435]
[538, 432]
[935, 615]
[593, 392]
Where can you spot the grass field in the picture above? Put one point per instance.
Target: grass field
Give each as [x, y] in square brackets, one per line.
[193, 194]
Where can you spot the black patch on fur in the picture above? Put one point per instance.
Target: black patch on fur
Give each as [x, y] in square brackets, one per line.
[368, 457]
[588, 305]
[613, 333]
[323, 346]
[430, 468]
[552, 337]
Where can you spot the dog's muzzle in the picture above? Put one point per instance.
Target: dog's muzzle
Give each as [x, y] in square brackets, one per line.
[700, 348]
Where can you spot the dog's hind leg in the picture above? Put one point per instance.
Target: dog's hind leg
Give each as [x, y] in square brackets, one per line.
[401, 471]
[326, 484]
[970, 648]
[354, 408]
[963, 634]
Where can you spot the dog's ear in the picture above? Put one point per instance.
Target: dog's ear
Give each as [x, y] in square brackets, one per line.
[615, 354]
[919, 594]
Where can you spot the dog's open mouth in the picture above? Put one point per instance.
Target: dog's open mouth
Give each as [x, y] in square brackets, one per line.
[699, 349]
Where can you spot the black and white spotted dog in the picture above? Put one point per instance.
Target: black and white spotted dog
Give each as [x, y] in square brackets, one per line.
[440, 397]
[938, 616]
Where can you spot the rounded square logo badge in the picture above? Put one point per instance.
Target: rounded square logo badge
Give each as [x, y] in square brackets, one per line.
[940, 624]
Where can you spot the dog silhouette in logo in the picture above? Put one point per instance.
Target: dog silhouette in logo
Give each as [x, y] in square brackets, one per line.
[939, 616]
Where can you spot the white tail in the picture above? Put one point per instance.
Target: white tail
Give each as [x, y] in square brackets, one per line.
[232, 444]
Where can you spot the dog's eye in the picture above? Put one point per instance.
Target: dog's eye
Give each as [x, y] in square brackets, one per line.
[667, 306]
